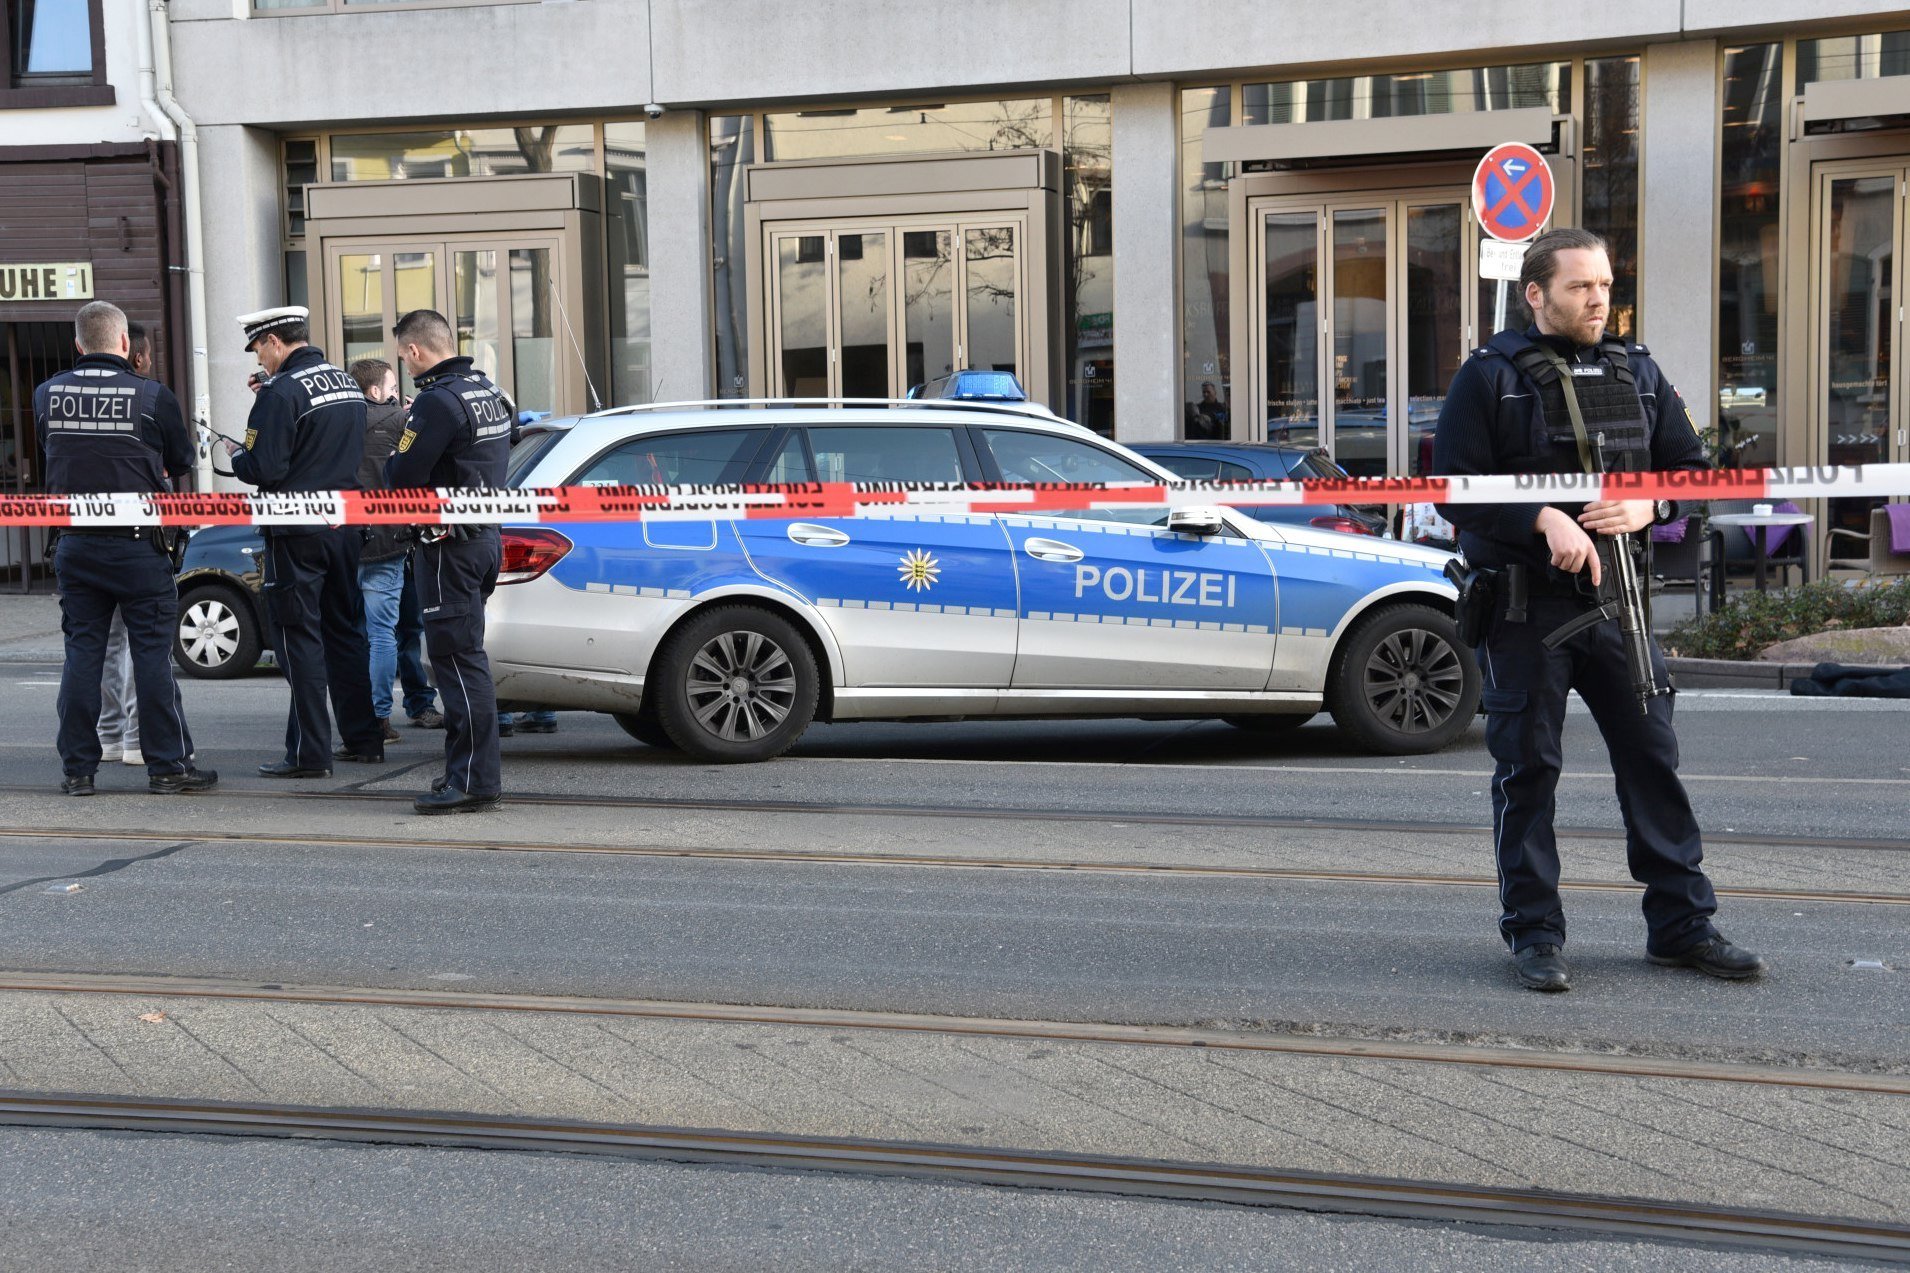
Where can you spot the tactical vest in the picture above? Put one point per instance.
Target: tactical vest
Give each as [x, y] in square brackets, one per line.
[1605, 392]
[91, 422]
[478, 458]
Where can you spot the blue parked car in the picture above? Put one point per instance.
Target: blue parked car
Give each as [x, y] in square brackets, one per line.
[1265, 462]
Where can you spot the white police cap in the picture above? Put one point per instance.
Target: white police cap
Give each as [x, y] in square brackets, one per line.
[265, 320]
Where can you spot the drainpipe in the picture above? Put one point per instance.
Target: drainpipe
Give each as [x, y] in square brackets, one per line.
[172, 122]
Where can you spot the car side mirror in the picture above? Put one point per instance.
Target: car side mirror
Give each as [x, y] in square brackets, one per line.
[1201, 519]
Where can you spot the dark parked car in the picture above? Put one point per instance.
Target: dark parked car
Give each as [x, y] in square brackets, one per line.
[222, 628]
[1265, 462]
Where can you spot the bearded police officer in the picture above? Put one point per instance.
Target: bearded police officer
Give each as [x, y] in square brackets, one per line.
[458, 435]
[1563, 397]
[306, 433]
[106, 430]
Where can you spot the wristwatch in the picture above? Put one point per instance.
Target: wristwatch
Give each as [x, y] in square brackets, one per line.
[1661, 511]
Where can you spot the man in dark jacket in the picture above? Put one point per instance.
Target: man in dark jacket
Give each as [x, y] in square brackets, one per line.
[1563, 397]
[381, 562]
[307, 433]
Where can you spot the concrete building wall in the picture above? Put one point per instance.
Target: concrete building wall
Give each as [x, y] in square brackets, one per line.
[393, 66]
[245, 261]
[1679, 236]
[1146, 235]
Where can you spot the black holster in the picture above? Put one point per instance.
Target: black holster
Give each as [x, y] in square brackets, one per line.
[1478, 596]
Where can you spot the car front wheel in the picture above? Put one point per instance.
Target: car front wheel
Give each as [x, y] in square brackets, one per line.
[1401, 683]
[735, 684]
[217, 636]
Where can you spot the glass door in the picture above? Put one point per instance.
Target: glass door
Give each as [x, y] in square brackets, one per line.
[866, 310]
[501, 297]
[1860, 397]
[1363, 313]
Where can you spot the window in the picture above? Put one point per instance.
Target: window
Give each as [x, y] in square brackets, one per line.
[1019, 124]
[1750, 258]
[675, 459]
[884, 454]
[56, 54]
[1194, 468]
[1026, 456]
[1482, 88]
[463, 152]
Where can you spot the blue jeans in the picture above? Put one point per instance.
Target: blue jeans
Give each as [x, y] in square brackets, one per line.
[382, 582]
[419, 696]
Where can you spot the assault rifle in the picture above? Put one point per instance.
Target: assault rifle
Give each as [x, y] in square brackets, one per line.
[1621, 596]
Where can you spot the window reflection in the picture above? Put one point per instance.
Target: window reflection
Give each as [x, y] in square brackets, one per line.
[1204, 267]
[464, 152]
[1017, 124]
[1609, 162]
[1482, 88]
[1746, 435]
[627, 262]
[51, 39]
[732, 148]
[1089, 179]
[1852, 57]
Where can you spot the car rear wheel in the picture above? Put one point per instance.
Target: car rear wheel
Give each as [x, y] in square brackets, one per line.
[1401, 683]
[1284, 724]
[735, 684]
[643, 726]
[217, 636]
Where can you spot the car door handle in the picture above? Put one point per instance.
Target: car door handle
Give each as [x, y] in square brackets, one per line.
[815, 536]
[1052, 550]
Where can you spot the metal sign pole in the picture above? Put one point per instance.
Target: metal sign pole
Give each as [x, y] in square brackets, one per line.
[1498, 306]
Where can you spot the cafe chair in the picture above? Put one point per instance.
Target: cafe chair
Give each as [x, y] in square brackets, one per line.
[1683, 559]
[1869, 552]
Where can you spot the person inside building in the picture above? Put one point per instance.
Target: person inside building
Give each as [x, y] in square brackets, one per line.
[105, 430]
[307, 433]
[458, 435]
[1523, 404]
[381, 560]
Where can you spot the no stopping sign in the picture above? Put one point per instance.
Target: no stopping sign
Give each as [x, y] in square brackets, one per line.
[1512, 192]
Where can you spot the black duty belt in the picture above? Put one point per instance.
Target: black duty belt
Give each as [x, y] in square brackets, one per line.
[112, 532]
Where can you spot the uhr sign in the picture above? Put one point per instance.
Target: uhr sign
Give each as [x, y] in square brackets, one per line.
[47, 281]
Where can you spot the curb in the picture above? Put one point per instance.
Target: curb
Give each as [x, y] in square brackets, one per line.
[1709, 674]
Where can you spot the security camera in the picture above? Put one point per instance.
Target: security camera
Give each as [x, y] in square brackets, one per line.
[654, 110]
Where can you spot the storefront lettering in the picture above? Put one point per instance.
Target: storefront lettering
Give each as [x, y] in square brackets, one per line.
[47, 281]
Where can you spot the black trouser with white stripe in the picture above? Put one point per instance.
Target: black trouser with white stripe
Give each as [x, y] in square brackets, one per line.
[318, 616]
[454, 577]
[1526, 686]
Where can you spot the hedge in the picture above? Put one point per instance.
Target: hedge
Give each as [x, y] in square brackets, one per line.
[1751, 621]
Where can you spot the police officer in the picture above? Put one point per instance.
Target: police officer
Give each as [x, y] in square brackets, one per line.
[105, 430]
[458, 435]
[306, 433]
[1535, 402]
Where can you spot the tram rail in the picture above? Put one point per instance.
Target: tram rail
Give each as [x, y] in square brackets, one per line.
[1129, 1176]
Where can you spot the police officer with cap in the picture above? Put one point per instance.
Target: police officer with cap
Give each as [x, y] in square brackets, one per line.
[105, 430]
[306, 433]
[458, 435]
[1563, 397]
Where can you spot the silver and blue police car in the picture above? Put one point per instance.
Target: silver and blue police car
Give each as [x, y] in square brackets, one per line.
[725, 638]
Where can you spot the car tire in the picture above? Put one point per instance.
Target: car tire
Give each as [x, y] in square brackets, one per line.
[217, 636]
[698, 670]
[1271, 725]
[1400, 682]
[643, 726]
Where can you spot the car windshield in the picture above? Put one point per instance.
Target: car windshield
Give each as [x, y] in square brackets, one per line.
[526, 451]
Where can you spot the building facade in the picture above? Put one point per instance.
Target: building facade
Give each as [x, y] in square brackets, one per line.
[89, 207]
[1183, 218]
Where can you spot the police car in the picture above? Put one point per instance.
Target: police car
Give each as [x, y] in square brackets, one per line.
[725, 638]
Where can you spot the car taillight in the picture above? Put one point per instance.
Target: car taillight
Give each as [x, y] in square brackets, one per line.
[1348, 525]
[529, 551]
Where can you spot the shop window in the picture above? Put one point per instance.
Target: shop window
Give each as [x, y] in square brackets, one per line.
[55, 54]
[1750, 161]
[1853, 57]
[732, 148]
[1015, 124]
[1483, 88]
[627, 261]
[464, 152]
[1088, 177]
[1205, 331]
[1608, 161]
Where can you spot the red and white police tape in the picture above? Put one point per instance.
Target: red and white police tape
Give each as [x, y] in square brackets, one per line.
[546, 505]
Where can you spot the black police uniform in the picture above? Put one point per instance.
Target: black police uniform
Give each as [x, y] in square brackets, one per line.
[1506, 413]
[103, 430]
[307, 433]
[459, 436]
